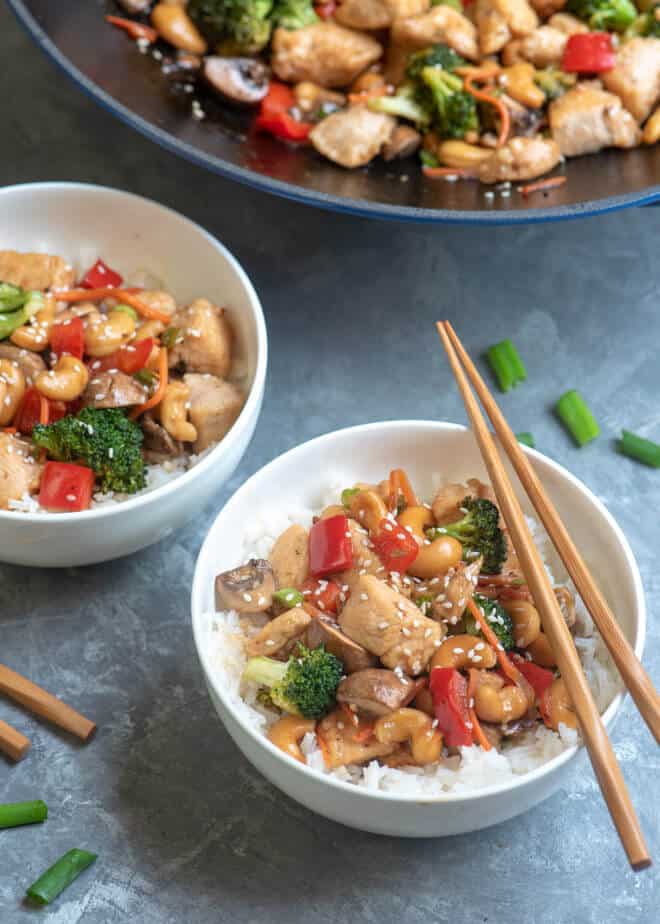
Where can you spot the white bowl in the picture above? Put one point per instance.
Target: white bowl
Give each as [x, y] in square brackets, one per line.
[367, 453]
[133, 235]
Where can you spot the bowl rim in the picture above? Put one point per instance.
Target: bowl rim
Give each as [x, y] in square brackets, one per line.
[250, 408]
[532, 776]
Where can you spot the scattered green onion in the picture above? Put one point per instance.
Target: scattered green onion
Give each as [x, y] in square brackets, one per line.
[636, 447]
[434, 532]
[170, 336]
[347, 495]
[574, 413]
[425, 603]
[428, 159]
[526, 438]
[288, 597]
[60, 875]
[22, 813]
[12, 297]
[507, 365]
[145, 377]
[126, 309]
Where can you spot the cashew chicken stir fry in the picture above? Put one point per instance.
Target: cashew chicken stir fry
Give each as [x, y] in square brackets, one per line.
[397, 630]
[97, 380]
[496, 90]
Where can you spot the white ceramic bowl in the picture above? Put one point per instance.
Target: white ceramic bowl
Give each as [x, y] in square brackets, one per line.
[367, 453]
[133, 235]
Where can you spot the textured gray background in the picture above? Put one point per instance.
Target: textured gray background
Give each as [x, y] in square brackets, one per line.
[187, 831]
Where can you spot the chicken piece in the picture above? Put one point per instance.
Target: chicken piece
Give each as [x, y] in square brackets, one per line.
[636, 76]
[546, 8]
[324, 631]
[35, 270]
[363, 14]
[29, 362]
[248, 589]
[207, 339]
[353, 136]
[500, 20]
[324, 53]
[390, 626]
[365, 560]
[214, 407]
[289, 557]
[19, 472]
[277, 634]
[158, 300]
[375, 691]
[401, 9]
[586, 119]
[158, 445]
[458, 587]
[544, 47]
[403, 142]
[520, 159]
[440, 24]
[343, 744]
[113, 389]
[568, 24]
[446, 506]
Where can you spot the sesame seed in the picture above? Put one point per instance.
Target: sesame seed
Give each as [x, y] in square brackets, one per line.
[364, 596]
[270, 642]
[405, 631]
[247, 598]
[382, 625]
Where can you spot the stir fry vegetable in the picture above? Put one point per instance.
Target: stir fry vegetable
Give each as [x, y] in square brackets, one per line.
[576, 416]
[23, 813]
[479, 533]
[305, 685]
[643, 450]
[60, 875]
[507, 365]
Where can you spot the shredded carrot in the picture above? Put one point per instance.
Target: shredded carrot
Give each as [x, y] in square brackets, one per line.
[44, 410]
[500, 106]
[365, 95]
[157, 396]
[136, 30]
[364, 733]
[146, 311]
[350, 715]
[400, 484]
[125, 295]
[465, 173]
[552, 182]
[508, 667]
[476, 727]
[85, 295]
[9, 430]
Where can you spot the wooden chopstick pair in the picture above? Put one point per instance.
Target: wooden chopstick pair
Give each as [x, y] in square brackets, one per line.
[634, 676]
[13, 743]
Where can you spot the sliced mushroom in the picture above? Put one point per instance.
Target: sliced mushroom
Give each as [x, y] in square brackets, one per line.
[374, 691]
[113, 389]
[29, 362]
[324, 631]
[158, 445]
[403, 142]
[248, 589]
[239, 80]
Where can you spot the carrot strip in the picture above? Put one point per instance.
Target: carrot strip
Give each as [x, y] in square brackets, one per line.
[508, 667]
[44, 410]
[365, 95]
[157, 396]
[476, 727]
[85, 295]
[364, 733]
[465, 173]
[350, 715]
[552, 182]
[136, 30]
[9, 430]
[124, 295]
[142, 309]
[400, 484]
[503, 112]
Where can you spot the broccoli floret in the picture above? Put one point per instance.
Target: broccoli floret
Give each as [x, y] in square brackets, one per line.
[436, 56]
[496, 617]
[554, 82]
[646, 24]
[455, 111]
[479, 534]
[405, 104]
[105, 440]
[294, 14]
[237, 26]
[604, 15]
[304, 685]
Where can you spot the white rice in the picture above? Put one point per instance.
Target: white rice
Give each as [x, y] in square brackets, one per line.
[474, 768]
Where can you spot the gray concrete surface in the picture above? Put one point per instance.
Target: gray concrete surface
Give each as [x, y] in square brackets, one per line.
[186, 830]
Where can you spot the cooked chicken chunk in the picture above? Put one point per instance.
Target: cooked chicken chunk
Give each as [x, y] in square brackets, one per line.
[159, 300]
[636, 76]
[29, 362]
[571, 25]
[352, 137]
[520, 159]
[289, 557]
[207, 339]
[399, 9]
[324, 631]
[500, 20]
[158, 445]
[342, 747]
[458, 587]
[35, 270]
[113, 389]
[363, 14]
[390, 626]
[375, 691]
[365, 560]
[214, 407]
[544, 47]
[19, 472]
[440, 24]
[587, 119]
[324, 53]
[278, 633]
[446, 506]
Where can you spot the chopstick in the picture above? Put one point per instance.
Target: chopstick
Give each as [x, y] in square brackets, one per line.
[12, 742]
[44, 704]
[593, 731]
[634, 676]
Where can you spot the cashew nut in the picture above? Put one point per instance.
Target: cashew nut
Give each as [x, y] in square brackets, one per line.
[556, 706]
[651, 133]
[495, 702]
[518, 81]
[368, 509]
[66, 382]
[35, 334]
[461, 154]
[173, 24]
[106, 333]
[526, 622]
[463, 651]
[289, 732]
[436, 558]
[174, 412]
[12, 389]
[416, 520]
[541, 651]
[417, 727]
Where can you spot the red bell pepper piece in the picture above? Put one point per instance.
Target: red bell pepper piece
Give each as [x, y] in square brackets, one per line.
[66, 487]
[450, 702]
[539, 678]
[100, 276]
[130, 359]
[29, 411]
[325, 10]
[68, 337]
[395, 546]
[275, 116]
[322, 594]
[588, 53]
[330, 546]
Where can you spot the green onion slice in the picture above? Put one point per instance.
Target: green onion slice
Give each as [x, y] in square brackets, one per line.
[574, 413]
[170, 336]
[22, 813]
[288, 597]
[60, 875]
[347, 495]
[126, 309]
[526, 438]
[507, 365]
[643, 450]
